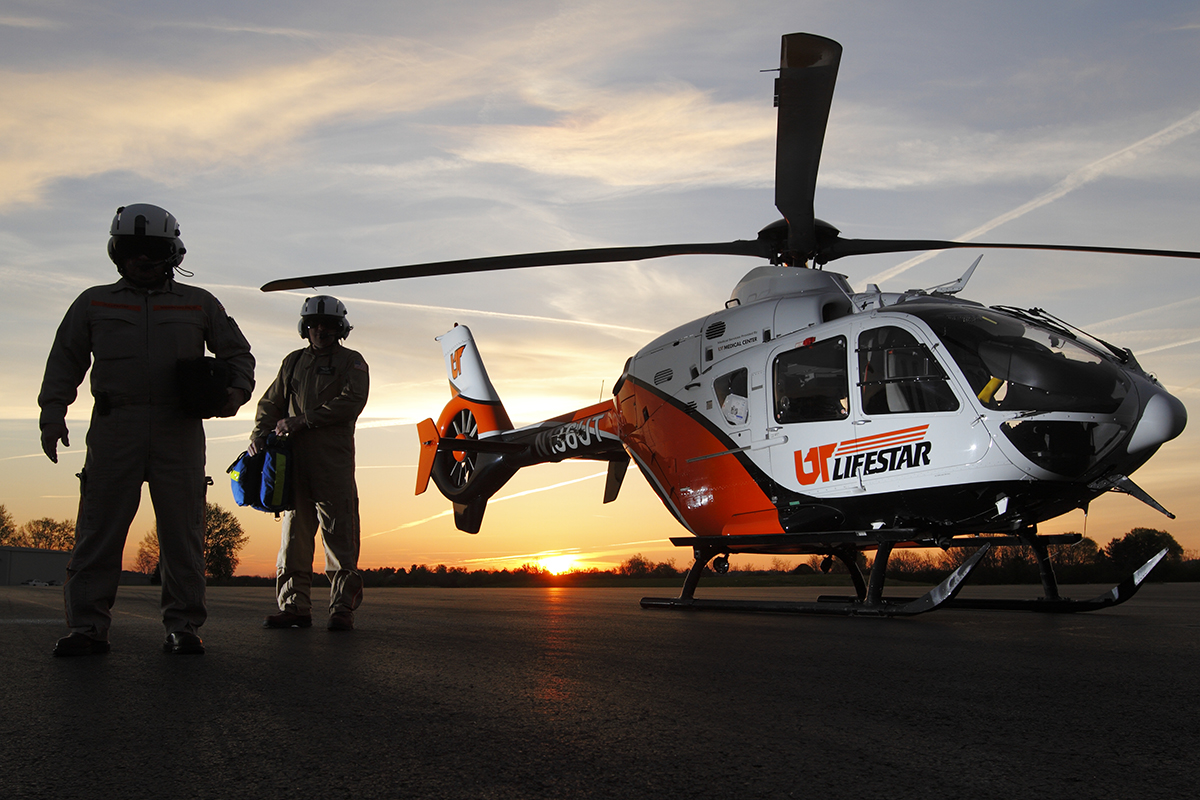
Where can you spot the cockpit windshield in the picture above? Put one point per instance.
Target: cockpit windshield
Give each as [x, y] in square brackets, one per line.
[1015, 365]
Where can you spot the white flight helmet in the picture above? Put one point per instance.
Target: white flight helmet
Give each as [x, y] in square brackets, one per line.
[143, 229]
[324, 306]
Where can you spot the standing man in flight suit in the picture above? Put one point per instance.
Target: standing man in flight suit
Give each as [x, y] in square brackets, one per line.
[134, 334]
[315, 401]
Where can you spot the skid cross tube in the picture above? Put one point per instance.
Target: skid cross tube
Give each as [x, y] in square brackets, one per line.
[874, 593]
[1045, 567]
[703, 554]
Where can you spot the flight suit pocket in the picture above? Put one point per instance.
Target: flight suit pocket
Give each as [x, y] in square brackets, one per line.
[115, 336]
[184, 329]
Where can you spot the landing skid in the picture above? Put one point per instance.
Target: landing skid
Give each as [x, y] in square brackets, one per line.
[1058, 605]
[870, 601]
[848, 606]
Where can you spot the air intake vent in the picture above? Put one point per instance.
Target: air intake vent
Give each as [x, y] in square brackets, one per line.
[714, 331]
[663, 376]
[691, 407]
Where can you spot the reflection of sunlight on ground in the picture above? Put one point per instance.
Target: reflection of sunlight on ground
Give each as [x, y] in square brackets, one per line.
[552, 687]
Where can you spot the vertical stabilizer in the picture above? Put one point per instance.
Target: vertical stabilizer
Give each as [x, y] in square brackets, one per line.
[464, 366]
[474, 410]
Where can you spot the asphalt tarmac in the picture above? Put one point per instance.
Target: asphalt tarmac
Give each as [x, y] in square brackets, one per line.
[563, 693]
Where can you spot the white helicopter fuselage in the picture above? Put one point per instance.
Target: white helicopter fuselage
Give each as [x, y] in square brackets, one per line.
[803, 406]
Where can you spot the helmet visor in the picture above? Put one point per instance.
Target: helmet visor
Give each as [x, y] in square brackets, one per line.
[326, 320]
[154, 248]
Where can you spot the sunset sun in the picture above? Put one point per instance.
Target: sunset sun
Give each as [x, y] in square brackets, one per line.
[558, 564]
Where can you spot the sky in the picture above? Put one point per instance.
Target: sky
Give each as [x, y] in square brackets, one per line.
[306, 137]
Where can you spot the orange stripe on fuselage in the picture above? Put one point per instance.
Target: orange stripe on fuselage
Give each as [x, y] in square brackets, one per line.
[879, 440]
[603, 407]
[711, 495]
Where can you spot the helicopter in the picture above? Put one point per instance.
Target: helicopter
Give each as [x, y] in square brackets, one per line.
[804, 417]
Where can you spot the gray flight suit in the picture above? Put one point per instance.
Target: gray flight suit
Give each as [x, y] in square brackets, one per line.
[133, 340]
[328, 389]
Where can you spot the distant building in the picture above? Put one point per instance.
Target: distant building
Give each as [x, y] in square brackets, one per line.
[21, 564]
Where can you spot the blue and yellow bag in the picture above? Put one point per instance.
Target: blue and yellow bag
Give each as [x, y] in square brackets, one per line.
[275, 488]
[264, 480]
[245, 475]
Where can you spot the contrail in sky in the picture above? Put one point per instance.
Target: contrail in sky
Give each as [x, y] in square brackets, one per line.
[1168, 346]
[447, 309]
[1153, 310]
[1108, 323]
[61, 454]
[447, 513]
[1084, 175]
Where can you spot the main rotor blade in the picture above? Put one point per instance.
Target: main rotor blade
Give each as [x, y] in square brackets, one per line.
[758, 248]
[840, 248]
[808, 68]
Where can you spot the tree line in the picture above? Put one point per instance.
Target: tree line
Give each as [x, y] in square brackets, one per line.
[451, 577]
[1084, 562]
[223, 539]
[44, 533]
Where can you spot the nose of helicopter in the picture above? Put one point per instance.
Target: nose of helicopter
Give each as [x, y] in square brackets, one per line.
[1163, 418]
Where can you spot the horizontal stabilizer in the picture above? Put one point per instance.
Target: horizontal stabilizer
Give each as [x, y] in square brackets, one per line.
[429, 437]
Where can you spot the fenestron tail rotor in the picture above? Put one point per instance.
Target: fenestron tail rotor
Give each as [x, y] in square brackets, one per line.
[808, 68]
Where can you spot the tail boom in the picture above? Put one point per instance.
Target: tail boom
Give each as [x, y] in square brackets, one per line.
[473, 449]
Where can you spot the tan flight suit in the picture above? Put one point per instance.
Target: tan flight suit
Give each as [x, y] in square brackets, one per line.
[138, 434]
[328, 388]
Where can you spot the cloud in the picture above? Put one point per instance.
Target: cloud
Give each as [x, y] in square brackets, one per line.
[158, 123]
[30, 23]
[670, 134]
[164, 120]
[261, 30]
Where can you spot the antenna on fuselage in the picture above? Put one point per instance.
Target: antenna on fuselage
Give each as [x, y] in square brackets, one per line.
[954, 287]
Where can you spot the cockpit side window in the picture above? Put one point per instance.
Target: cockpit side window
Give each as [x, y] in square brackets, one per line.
[733, 396]
[898, 374]
[810, 382]
[1016, 365]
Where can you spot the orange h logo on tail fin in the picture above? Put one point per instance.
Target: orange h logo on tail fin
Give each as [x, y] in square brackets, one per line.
[456, 362]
